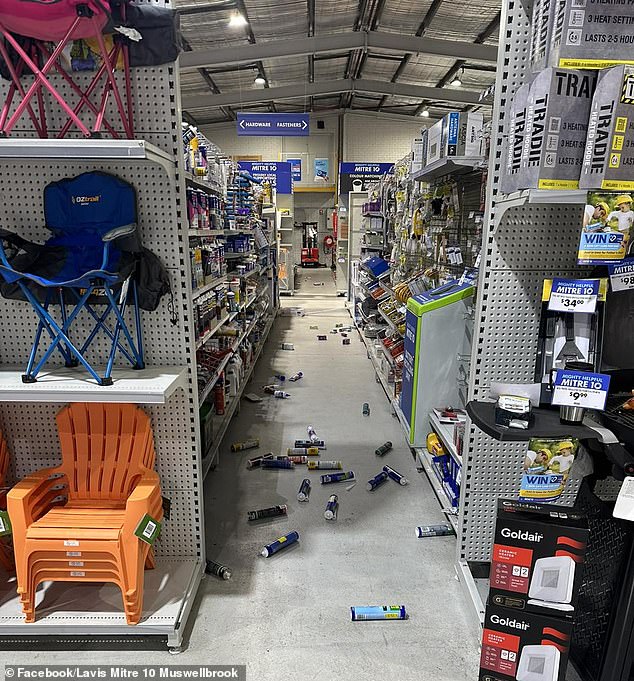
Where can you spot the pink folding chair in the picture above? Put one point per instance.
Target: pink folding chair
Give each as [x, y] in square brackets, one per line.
[27, 28]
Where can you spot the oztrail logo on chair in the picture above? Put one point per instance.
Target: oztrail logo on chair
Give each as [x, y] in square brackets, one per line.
[85, 199]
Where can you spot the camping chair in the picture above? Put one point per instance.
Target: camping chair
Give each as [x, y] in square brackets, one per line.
[27, 27]
[90, 260]
[6, 552]
[107, 480]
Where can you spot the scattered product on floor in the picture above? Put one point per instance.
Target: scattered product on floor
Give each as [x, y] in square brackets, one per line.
[325, 465]
[271, 512]
[302, 451]
[331, 507]
[296, 459]
[320, 444]
[246, 444]
[334, 331]
[277, 463]
[252, 397]
[322, 338]
[281, 395]
[318, 283]
[314, 328]
[337, 477]
[280, 377]
[304, 490]
[376, 481]
[367, 613]
[281, 543]
[338, 326]
[217, 570]
[312, 434]
[270, 389]
[297, 376]
[383, 449]
[395, 475]
[288, 346]
[349, 487]
[256, 461]
[366, 409]
[346, 341]
[434, 531]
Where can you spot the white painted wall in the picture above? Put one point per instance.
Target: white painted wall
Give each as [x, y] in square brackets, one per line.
[377, 139]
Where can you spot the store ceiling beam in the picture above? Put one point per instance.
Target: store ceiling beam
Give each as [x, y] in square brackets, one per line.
[457, 96]
[204, 9]
[357, 40]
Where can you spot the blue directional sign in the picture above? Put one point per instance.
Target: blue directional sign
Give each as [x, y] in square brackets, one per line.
[273, 125]
[278, 173]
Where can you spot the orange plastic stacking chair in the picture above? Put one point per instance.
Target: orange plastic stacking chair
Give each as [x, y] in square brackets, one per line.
[108, 484]
[6, 553]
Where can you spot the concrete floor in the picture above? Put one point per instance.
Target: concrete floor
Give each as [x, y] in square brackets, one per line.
[287, 617]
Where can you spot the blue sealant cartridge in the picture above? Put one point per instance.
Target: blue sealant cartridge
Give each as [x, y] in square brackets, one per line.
[331, 507]
[434, 531]
[277, 463]
[279, 544]
[336, 477]
[376, 481]
[367, 613]
[320, 444]
[395, 475]
[304, 490]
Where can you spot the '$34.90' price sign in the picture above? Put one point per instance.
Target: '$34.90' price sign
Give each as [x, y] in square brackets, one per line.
[574, 295]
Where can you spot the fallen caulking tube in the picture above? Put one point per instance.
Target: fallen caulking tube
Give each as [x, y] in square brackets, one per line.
[217, 570]
[302, 451]
[325, 465]
[277, 463]
[295, 459]
[320, 444]
[395, 475]
[377, 612]
[331, 508]
[271, 512]
[383, 449]
[434, 531]
[376, 481]
[312, 435]
[281, 395]
[304, 490]
[337, 477]
[297, 376]
[279, 544]
[256, 461]
[247, 444]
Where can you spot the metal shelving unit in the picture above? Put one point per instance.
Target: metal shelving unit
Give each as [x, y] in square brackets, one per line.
[443, 430]
[448, 166]
[207, 287]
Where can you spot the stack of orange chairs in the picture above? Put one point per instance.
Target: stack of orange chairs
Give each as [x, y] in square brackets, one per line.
[105, 486]
[6, 552]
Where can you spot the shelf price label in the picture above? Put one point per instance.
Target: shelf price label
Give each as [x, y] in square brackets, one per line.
[574, 295]
[580, 389]
[622, 275]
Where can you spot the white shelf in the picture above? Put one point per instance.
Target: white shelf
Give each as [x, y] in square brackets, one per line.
[206, 232]
[448, 166]
[220, 322]
[556, 196]
[445, 433]
[207, 287]
[68, 149]
[231, 256]
[201, 184]
[154, 385]
[76, 609]
[425, 460]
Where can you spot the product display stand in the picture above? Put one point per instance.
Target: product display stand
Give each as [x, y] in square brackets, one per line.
[167, 388]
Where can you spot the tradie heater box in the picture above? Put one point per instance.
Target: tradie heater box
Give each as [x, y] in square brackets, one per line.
[435, 336]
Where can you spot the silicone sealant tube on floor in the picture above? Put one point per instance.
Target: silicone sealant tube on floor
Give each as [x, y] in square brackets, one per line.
[331, 507]
[281, 395]
[366, 409]
[367, 613]
[297, 376]
[395, 475]
[277, 463]
[256, 461]
[279, 544]
[325, 465]
[337, 477]
[217, 570]
[247, 444]
[271, 512]
[302, 451]
[383, 449]
[320, 444]
[434, 531]
[288, 346]
[295, 459]
[312, 435]
[303, 493]
[376, 481]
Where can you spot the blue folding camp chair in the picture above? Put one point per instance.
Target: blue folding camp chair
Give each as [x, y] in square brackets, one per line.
[90, 260]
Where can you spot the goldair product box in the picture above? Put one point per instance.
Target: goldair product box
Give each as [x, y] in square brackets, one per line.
[608, 161]
[434, 143]
[514, 142]
[537, 558]
[592, 34]
[523, 646]
[556, 126]
[462, 134]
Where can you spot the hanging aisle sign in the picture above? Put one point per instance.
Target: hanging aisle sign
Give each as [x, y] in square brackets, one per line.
[278, 173]
[355, 177]
[273, 125]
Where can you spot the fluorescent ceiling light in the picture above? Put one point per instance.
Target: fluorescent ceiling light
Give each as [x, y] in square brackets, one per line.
[260, 80]
[456, 82]
[237, 20]
[425, 113]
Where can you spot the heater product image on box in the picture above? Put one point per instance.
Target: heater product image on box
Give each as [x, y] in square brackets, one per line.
[538, 663]
[552, 582]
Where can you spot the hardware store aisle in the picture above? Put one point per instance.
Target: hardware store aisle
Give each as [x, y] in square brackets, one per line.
[288, 617]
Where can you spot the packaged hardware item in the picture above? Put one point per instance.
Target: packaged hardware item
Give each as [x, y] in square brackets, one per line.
[546, 468]
[537, 557]
[462, 134]
[609, 153]
[556, 124]
[591, 34]
[513, 411]
[368, 613]
[523, 646]
[606, 234]
[514, 142]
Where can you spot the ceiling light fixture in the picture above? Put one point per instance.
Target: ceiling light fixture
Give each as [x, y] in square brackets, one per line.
[260, 80]
[237, 20]
[425, 113]
[457, 82]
